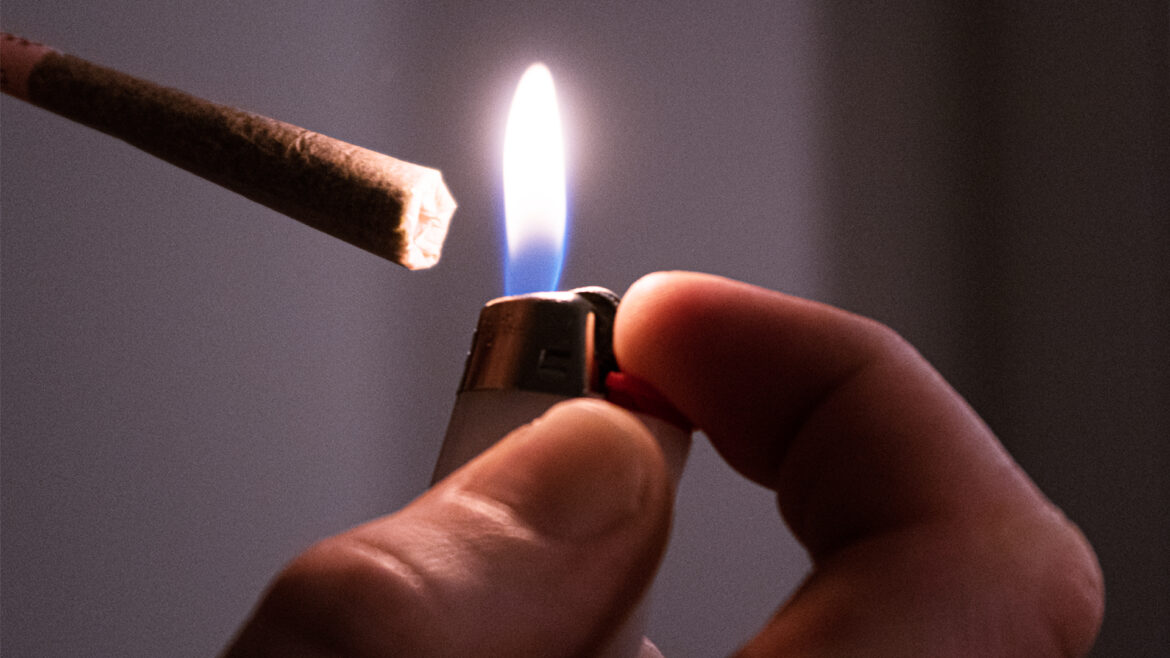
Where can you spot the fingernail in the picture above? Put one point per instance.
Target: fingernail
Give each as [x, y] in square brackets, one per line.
[582, 470]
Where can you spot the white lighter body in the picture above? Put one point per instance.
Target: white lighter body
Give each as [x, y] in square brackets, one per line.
[529, 353]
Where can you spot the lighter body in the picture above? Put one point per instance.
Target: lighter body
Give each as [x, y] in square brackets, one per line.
[529, 353]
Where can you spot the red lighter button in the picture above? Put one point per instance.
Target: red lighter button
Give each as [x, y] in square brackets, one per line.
[638, 396]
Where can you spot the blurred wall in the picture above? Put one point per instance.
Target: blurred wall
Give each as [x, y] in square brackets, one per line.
[195, 388]
[998, 192]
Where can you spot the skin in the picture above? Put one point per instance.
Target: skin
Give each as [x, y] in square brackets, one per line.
[926, 538]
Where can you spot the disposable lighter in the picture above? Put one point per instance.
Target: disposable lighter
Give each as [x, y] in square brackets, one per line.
[530, 352]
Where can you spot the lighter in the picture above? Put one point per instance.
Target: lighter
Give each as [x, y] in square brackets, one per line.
[530, 352]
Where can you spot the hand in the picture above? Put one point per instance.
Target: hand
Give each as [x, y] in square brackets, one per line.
[926, 538]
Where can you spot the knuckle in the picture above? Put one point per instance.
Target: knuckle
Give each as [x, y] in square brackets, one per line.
[1075, 592]
[884, 341]
[347, 597]
[1042, 563]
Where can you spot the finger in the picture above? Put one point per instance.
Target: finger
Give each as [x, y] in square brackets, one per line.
[649, 649]
[811, 401]
[912, 511]
[542, 544]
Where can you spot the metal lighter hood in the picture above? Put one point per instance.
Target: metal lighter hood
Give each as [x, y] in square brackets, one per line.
[550, 342]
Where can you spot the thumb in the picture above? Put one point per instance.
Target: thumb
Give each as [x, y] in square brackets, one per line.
[540, 546]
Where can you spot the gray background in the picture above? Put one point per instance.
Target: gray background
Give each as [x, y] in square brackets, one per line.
[196, 388]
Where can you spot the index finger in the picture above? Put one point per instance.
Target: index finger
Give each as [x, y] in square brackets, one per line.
[858, 435]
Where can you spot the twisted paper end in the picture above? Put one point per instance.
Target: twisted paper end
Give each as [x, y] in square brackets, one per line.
[426, 218]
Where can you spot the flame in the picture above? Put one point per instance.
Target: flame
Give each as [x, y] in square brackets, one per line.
[534, 186]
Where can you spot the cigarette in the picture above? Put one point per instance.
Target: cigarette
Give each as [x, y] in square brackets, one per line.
[394, 209]
[532, 351]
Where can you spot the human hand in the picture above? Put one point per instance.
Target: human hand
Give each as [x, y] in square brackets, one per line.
[926, 538]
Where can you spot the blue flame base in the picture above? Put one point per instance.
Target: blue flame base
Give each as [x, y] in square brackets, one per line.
[533, 270]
